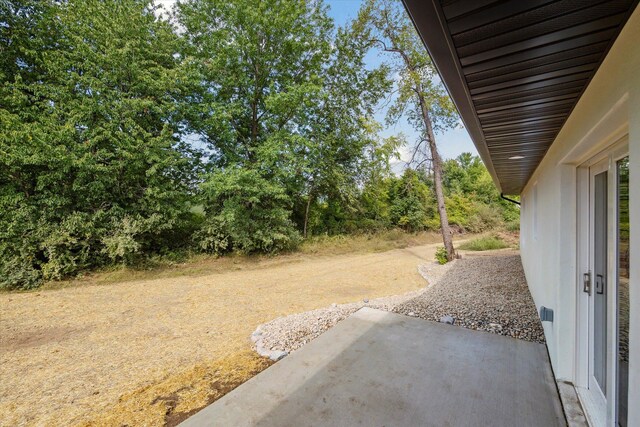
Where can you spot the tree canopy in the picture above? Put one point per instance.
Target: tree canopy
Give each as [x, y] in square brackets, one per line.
[234, 126]
[93, 165]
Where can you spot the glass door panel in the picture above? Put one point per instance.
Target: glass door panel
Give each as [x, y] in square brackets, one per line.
[600, 281]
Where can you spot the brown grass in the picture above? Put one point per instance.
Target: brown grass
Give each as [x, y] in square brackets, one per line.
[147, 351]
[202, 265]
[365, 243]
[175, 398]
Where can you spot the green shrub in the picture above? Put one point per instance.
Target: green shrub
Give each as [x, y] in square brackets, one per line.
[68, 246]
[19, 272]
[410, 202]
[484, 244]
[513, 226]
[245, 213]
[441, 255]
[484, 218]
[459, 209]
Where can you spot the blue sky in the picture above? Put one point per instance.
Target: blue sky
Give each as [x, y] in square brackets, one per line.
[450, 143]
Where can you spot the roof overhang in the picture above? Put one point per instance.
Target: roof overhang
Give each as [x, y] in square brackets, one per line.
[515, 69]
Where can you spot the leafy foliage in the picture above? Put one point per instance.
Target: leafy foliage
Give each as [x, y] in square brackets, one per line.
[246, 213]
[236, 126]
[473, 202]
[486, 243]
[420, 97]
[283, 93]
[411, 200]
[92, 161]
[442, 256]
[259, 67]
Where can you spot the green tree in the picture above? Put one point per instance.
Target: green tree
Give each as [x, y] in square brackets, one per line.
[468, 175]
[245, 213]
[420, 96]
[285, 94]
[410, 202]
[260, 64]
[377, 185]
[473, 198]
[92, 164]
[342, 142]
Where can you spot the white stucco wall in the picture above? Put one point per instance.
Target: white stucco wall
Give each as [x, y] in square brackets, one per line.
[609, 107]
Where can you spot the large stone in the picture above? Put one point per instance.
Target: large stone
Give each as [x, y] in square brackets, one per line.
[495, 326]
[256, 335]
[277, 355]
[447, 319]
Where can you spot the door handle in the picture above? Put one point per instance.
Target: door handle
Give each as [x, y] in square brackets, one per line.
[600, 284]
[586, 282]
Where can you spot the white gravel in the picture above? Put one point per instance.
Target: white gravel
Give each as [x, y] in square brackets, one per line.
[480, 292]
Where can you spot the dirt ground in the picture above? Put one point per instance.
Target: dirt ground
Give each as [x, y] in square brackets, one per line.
[150, 352]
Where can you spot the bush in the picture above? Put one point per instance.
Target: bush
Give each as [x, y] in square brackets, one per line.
[442, 255]
[459, 209]
[35, 248]
[484, 218]
[484, 244]
[17, 272]
[68, 246]
[245, 213]
[124, 243]
[513, 226]
[410, 202]
[93, 169]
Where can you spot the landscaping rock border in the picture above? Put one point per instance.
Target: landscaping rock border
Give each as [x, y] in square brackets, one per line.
[485, 292]
[283, 335]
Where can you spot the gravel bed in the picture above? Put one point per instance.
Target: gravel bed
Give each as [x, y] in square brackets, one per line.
[486, 292]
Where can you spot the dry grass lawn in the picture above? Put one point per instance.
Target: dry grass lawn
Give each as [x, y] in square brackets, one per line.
[149, 351]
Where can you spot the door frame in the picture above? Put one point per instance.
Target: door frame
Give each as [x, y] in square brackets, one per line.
[597, 413]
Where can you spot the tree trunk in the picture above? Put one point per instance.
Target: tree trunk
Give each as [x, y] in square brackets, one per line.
[435, 156]
[306, 216]
[437, 180]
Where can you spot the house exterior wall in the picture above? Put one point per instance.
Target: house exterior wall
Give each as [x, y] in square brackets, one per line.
[608, 110]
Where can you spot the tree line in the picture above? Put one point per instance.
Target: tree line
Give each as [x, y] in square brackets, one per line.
[232, 126]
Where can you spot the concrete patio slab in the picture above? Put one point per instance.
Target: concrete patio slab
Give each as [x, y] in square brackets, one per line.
[384, 369]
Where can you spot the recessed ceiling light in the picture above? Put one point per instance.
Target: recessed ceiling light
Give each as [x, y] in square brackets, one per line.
[516, 157]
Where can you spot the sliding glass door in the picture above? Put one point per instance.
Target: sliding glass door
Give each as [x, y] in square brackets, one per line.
[604, 292]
